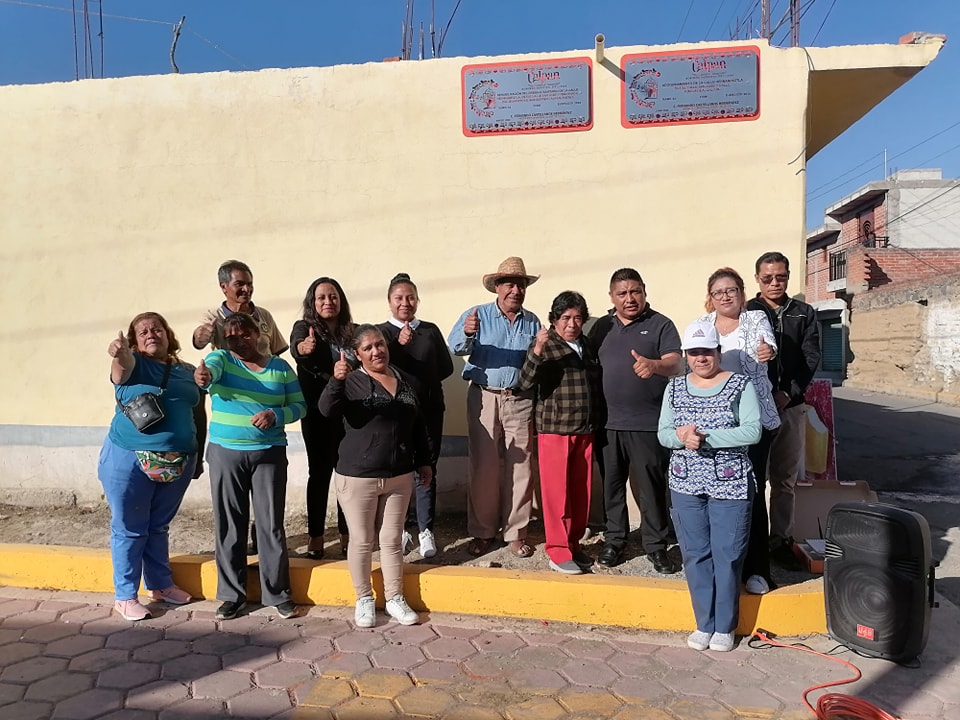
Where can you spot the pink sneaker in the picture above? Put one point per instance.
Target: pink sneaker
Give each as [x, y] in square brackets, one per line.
[172, 595]
[131, 610]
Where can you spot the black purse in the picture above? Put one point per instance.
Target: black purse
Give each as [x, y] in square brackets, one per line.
[146, 410]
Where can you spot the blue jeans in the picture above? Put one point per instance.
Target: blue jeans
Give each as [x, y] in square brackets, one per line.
[140, 515]
[713, 537]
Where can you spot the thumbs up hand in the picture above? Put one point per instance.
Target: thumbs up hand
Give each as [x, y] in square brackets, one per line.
[204, 333]
[119, 347]
[643, 367]
[341, 368]
[471, 324]
[308, 344]
[202, 376]
[406, 334]
[764, 351]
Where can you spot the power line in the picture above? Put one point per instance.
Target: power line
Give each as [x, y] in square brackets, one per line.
[715, 15]
[684, 23]
[829, 10]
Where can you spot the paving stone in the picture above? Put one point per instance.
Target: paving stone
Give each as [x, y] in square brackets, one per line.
[98, 660]
[359, 641]
[536, 681]
[691, 683]
[25, 710]
[547, 657]
[33, 669]
[161, 651]
[157, 695]
[422, 701]
[74, 645]
[190, 667]
[593, 673]
[249, 658]
[58, 606]
[10, 654]
[634, 647]
[105, 626]
[640, 689]
[164, 616]
[10, 635]
[130, 714]
[10, 693]
[748, 701]
[382, 684]
[306, 649]
[496, 643]
[51, 632]
[483, 667]
[284, 675]
[365, 708]
[577, 700]
[133, 638]
[438, 672]
[535, 709]
[324, 693]
[682, 658]
[543, 638]
[301, 713]
[640, 712]
[907, 703]
[456, 633]
[29, 621]
[89, 704]
[705, 709]
[489, 693]
[324, 628]
[190, 630]
[342, 665]
[259, 703]
[735, 673]
[444, 648]
[59, 687]
[636, 665]
[276, 634]
[945, 689]
[243, 624]
[472, 712]
[219, 643]
[224, 684]
[16, 607]
[86, 613]
[398, 657]
[194, 710]
[409, 634]
[129, 675]
[588, 649]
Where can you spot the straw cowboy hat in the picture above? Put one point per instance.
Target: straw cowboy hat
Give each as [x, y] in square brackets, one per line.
[512, 267]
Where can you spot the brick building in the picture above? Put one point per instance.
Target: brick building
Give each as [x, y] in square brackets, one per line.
[901, 229]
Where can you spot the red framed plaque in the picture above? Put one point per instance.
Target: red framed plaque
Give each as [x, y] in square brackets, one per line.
[683, 87]
[537, 96]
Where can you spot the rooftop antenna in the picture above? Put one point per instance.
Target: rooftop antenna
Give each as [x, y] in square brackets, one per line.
[173, 45]
[443, 35]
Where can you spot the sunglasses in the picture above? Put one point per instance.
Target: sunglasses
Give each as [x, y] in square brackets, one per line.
[767, 279]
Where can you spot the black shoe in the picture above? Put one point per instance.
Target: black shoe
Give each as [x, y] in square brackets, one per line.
[230, 609]
[252, 547]
[662, 562]
[287, 610]
[610, 556]
[583, 560]
[783, 556]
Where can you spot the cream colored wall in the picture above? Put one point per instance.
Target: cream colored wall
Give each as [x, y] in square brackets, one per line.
[125, 195]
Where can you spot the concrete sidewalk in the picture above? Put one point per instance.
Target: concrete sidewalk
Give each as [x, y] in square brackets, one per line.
[65, 655]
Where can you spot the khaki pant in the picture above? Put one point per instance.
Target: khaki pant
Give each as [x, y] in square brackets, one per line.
[501, 442]
[371, 505]
[786, 450]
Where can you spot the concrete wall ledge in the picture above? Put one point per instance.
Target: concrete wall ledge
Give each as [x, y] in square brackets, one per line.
[919, 393]
[632, 602]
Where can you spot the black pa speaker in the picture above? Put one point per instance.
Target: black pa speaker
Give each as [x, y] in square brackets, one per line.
[878, 579]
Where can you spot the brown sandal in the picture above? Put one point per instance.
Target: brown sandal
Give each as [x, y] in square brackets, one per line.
[479, 546]
[520, 548]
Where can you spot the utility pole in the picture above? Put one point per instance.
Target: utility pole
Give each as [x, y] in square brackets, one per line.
[794, 23]
[765, 19]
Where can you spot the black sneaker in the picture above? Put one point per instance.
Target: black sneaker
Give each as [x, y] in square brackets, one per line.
[583, 560]
[783, 556]
[287, 610]
[230, 609]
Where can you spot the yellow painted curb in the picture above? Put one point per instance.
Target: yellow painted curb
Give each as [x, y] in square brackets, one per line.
[634, 602]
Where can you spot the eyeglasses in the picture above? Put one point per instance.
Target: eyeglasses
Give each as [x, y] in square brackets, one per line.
[725, 292]
[767, 279]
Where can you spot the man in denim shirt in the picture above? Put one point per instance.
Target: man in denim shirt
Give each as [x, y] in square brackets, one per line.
[495, 338]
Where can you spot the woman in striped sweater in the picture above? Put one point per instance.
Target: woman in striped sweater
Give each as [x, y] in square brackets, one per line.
[253, 397]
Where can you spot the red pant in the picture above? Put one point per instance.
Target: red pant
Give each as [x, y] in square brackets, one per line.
[566, 473]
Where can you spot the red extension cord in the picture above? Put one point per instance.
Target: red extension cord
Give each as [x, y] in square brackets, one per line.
[834, 705]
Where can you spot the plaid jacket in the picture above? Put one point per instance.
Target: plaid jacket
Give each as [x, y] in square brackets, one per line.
[569, 393]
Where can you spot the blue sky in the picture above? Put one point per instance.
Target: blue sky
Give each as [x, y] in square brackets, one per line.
[916, 126]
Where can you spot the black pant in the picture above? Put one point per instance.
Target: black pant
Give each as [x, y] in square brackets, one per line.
[321, 436]
[423, 501]
[757, 561]
[636, 455]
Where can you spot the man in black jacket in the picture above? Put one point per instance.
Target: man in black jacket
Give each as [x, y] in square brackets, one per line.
[798, 355]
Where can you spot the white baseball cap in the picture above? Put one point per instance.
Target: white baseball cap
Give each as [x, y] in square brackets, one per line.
[700, 335]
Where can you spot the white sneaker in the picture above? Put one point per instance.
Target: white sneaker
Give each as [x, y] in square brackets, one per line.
[722, 642]
[699, 640]
[365, 615]
[401, 612]
[406, 543]
[428, 546]
[757, 585]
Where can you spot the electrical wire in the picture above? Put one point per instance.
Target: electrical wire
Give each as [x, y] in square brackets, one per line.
[832, 706]
[715, 16]
[829, 10]
[685, 17]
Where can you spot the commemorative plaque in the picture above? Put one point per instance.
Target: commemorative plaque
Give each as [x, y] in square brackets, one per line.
[537, 96]
[691, 86]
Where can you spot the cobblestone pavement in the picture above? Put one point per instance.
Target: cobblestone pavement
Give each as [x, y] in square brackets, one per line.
[64, 655]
